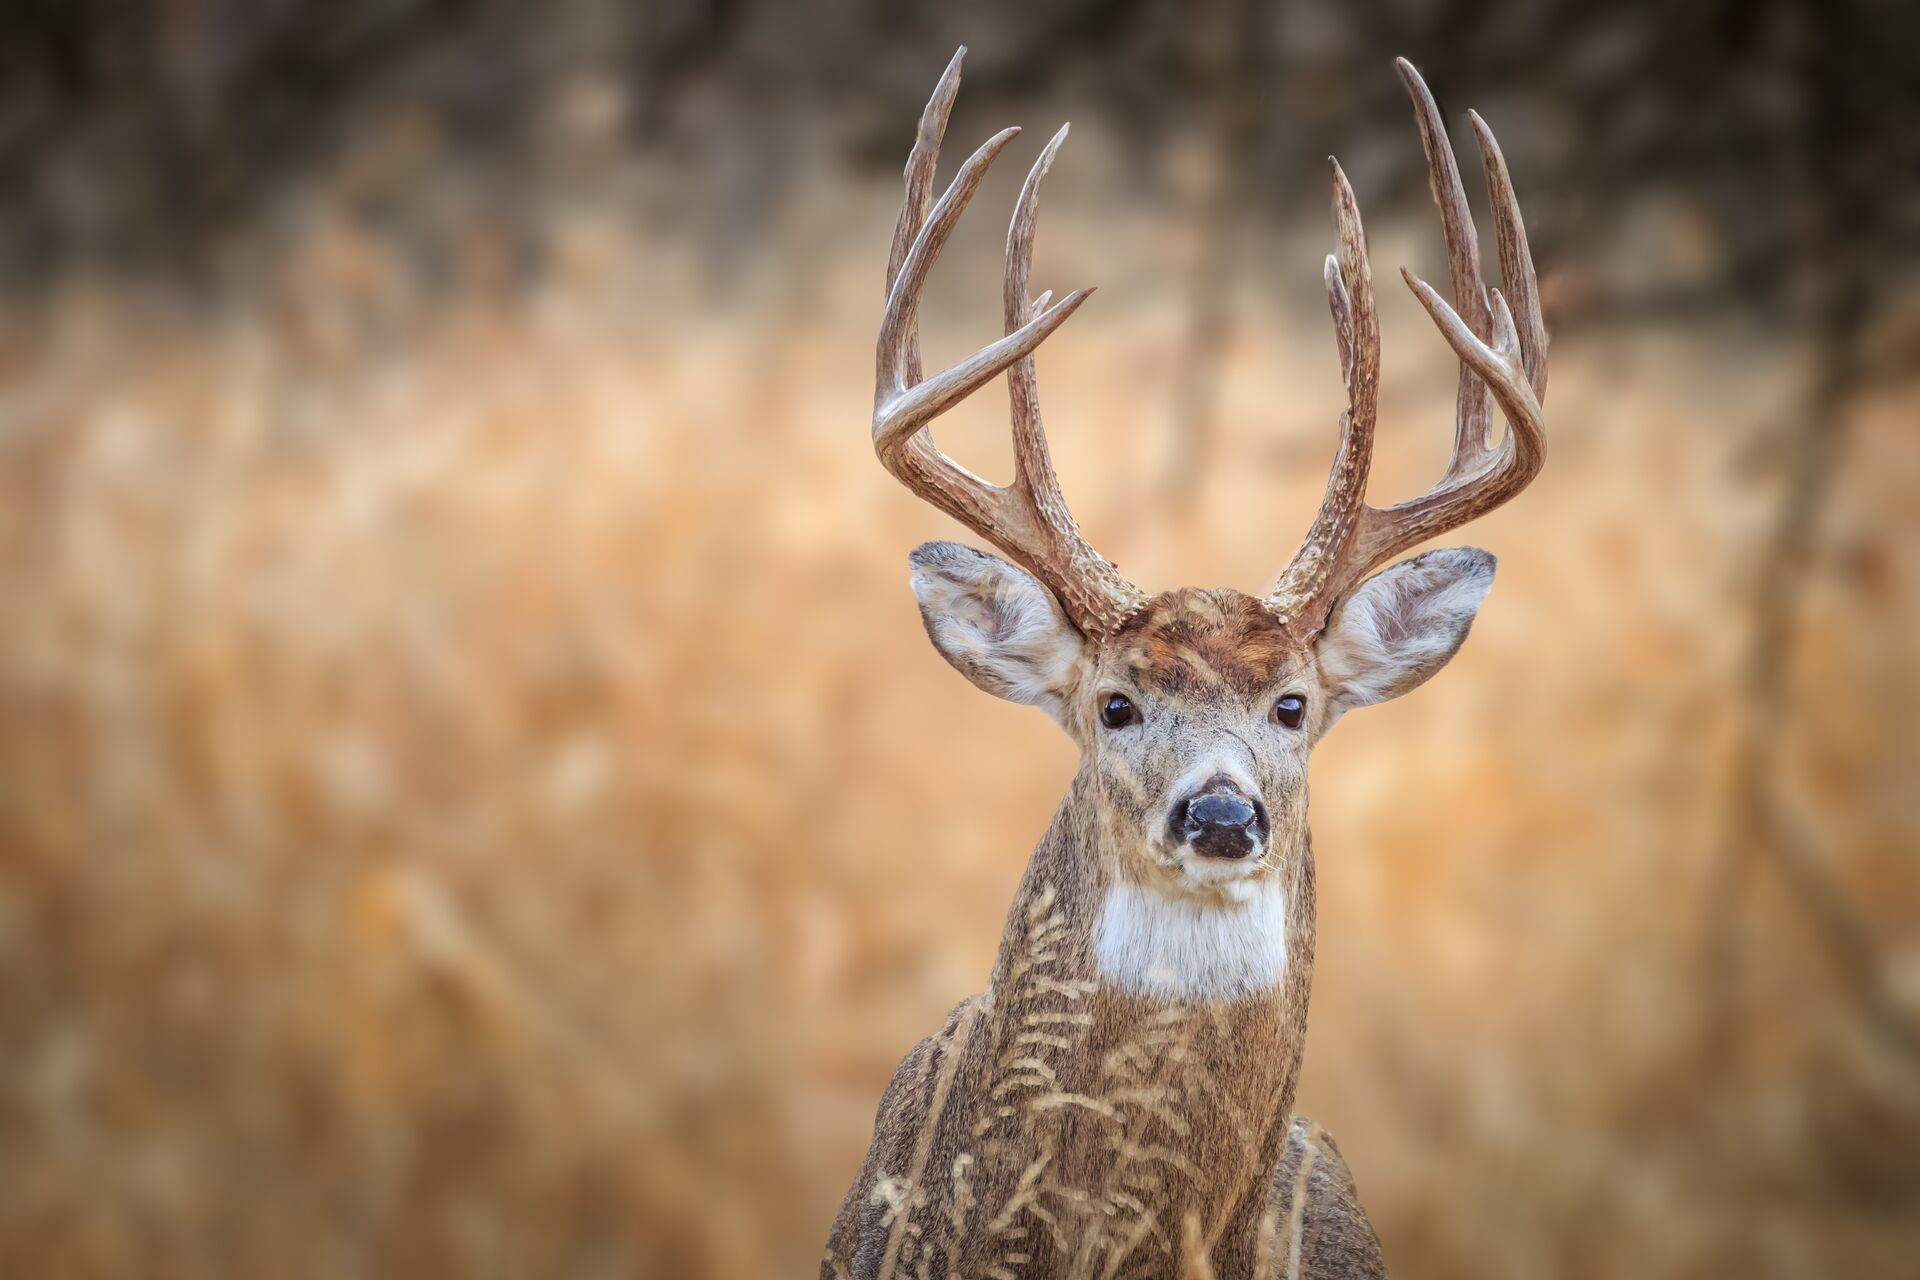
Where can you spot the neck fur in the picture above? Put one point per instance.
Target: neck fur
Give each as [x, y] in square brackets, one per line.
[1241, 942]
[1121, 1020]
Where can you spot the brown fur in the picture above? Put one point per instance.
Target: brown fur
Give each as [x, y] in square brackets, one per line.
[1057, 1126]
[1194, 637]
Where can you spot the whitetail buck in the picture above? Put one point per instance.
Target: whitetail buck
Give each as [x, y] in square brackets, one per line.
[1119, 1102]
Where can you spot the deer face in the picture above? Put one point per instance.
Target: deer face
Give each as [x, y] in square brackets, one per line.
[1196, 718]
[1196, 710]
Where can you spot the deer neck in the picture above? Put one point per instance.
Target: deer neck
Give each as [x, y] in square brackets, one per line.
[1138, 1048]
[1079, 918]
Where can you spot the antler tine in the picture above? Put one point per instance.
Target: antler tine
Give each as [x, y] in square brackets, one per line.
[1471, 413]
[1090, 577]
[1032, 466]
[1028, 519]
[899, 327]
[1356, 328]
[921, 162]
[1514, 462]
[1342, 308]
[1349, 537]
[1516, 259]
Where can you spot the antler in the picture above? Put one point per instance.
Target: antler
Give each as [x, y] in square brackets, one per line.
[1349, 538]
[1028, 519]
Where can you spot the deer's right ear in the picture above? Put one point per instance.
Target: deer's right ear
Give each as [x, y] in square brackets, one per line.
[996, 624]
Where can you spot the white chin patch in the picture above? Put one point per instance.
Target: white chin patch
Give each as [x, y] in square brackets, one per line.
[1233, 877]
[1154, 944]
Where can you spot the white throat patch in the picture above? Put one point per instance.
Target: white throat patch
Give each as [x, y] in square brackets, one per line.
[1184, 949]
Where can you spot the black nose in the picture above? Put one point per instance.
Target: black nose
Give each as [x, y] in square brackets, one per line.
[1220, 821]
[1220, 811]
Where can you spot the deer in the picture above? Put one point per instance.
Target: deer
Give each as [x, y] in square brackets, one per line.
[1119, 1101]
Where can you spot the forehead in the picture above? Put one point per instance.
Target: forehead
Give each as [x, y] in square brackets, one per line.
[1196, 641]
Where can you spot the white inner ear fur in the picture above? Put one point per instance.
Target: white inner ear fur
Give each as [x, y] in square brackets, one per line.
[1402, 625]
[1155, 944]
[996, 624]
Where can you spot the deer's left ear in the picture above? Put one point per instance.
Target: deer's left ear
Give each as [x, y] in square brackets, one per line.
[1402, 625]
[996, 624]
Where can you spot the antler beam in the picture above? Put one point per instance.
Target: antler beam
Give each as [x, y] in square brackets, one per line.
[1349, 538]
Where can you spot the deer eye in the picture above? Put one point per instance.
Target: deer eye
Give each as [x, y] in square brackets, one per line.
[1118, 711]
[1290, 711]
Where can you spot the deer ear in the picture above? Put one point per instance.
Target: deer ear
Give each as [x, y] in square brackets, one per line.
[996, 624]
[1402, 625]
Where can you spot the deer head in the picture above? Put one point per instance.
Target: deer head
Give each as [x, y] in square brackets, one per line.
[1196, 709]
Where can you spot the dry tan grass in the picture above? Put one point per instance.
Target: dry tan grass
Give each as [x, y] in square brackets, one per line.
[474, 798]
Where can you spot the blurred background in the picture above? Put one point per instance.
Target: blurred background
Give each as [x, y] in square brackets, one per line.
[475, 798]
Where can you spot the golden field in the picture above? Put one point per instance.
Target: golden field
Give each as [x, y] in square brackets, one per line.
[475, 798]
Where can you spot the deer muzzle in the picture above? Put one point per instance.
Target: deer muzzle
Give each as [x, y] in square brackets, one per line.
[1221, 821]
